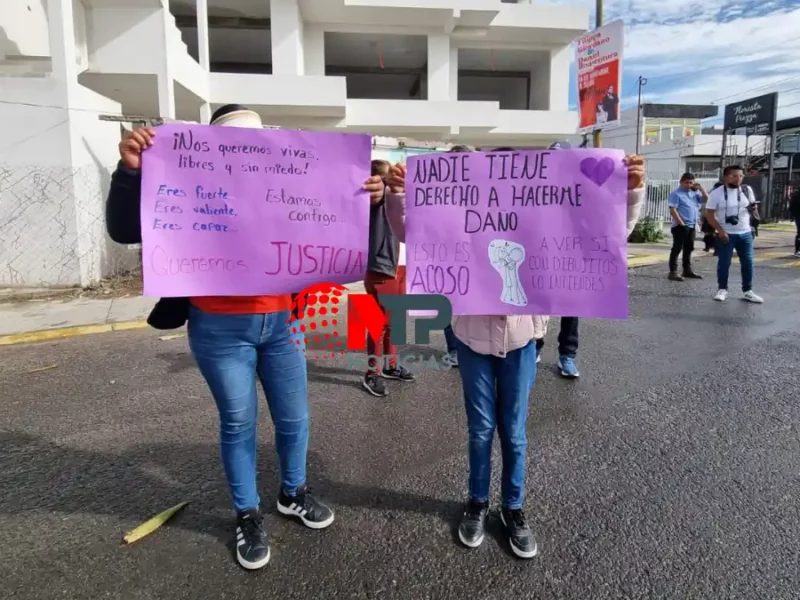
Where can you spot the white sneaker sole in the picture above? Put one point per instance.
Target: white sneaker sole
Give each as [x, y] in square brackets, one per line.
[253, 566]
[720, 298]
[517, 551]
[288, 512]
[566, 375]
[474, 544]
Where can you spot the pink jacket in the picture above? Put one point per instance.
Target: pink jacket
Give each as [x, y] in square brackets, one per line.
[496, 334]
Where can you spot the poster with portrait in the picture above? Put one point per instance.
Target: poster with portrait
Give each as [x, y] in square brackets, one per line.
[598, 58]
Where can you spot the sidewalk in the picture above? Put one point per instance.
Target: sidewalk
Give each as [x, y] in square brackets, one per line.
[42, 320]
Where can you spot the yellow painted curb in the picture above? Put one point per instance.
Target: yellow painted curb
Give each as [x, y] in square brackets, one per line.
[67, 332]
[646, 260]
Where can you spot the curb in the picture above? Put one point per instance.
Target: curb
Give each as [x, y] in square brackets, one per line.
[46, 335]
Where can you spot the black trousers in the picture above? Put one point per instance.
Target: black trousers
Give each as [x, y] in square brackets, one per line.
[567, 338]
[797, 237]
[682, 241]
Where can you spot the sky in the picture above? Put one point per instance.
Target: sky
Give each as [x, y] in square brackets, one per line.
[708, 52]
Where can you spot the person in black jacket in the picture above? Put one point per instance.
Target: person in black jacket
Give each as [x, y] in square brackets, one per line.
[234, 340]
[794, 211]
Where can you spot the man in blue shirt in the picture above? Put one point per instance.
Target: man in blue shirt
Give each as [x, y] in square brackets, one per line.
[684, 206]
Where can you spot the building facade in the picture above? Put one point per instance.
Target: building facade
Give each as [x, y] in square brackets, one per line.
[482, 72]
[674, 140]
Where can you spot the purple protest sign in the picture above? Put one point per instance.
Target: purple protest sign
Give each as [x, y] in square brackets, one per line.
[540, 233]
[228, 211]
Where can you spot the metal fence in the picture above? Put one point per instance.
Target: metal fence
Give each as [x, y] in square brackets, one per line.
[658, 191]
[52, 228]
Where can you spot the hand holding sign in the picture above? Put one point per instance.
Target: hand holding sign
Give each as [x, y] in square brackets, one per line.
[375, 186]
[635, 165]
[133, 144]
[397, 178]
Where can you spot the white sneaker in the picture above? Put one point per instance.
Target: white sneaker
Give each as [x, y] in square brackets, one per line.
[751, 296]
[721, 296]
[797, 254]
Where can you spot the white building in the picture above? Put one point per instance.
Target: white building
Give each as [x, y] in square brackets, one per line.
[674, 141]
[484, 72]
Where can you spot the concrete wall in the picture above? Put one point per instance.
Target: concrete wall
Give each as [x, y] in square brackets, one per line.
[55, 167]
[23, 28]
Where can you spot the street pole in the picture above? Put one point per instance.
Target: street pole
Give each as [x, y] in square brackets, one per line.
[598, 22]
[642, 83]
[772, 142]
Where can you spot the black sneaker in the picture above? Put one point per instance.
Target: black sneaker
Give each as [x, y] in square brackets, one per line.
[398, 373]
[374, 385]
[473, 521]
[252, 548]
[691, 275]
[523, 544]
[309, 510]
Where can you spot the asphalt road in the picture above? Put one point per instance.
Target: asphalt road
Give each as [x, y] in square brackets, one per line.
[669, 470]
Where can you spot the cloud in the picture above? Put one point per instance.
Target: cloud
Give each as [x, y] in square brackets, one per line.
[702, 53]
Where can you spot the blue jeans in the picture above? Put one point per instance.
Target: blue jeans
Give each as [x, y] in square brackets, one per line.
[450, 338]
[230, 351]
[743, 244]
[496, 392]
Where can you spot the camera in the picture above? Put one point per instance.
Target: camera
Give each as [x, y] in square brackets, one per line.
[732, 220]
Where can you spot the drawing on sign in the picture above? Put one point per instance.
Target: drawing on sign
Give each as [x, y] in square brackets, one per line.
[506, 258]
[597, 171]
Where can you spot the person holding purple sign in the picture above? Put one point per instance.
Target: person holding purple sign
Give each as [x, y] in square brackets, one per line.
[234, 340]
[497, 354]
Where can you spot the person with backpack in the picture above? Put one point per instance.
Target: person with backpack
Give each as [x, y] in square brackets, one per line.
[730, 210]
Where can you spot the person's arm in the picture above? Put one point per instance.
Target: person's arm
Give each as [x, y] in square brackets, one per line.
[711, 218]
[673, 202]
[636, 189]
[123, 216]
[752, 204]
[635, 203]
[703, 194]
[395, 199]
[396, 214]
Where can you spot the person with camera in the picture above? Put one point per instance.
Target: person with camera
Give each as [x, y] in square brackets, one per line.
[684, 206]
[730, 210]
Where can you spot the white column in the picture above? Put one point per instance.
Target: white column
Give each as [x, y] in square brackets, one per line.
[439, 74]
[203, 52]
[559, 78]
[314, 50]
[287, 38]
[166, 84]
[453, 74]
[62, 42]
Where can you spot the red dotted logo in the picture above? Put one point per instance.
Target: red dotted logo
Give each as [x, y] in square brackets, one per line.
[316, 316]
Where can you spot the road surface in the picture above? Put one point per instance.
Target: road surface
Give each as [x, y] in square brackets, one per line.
[669, 470]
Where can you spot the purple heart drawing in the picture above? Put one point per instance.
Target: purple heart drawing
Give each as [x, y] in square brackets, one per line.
[597, 171]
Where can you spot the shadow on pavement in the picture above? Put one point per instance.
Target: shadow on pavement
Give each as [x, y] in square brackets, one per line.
[39, 475]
